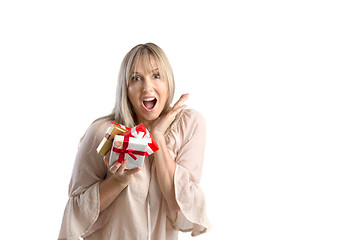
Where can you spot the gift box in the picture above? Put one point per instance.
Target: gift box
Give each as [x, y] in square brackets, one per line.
[140, 132]
[130, 148]
[106, 143]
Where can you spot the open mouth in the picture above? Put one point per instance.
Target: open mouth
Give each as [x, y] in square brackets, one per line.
[149, 103]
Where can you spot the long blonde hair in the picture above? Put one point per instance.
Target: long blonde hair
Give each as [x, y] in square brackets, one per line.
[123, 111]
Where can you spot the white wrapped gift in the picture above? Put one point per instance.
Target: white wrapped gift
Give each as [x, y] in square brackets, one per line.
[130, 148]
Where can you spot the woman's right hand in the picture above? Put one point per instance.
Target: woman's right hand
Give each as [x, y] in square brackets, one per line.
[120, 172]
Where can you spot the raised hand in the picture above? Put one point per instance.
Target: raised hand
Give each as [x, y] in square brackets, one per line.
[159, 126]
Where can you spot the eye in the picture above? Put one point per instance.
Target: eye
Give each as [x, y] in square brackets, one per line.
[157, 75]
[136, 78]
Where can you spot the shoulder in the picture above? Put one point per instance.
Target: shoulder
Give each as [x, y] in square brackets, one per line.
[192, 117]
[96, 130]
[189, 123]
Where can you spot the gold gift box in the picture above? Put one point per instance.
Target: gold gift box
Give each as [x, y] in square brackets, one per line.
[107, 141]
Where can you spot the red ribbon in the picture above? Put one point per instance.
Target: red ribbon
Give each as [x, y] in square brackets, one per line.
[124, 150]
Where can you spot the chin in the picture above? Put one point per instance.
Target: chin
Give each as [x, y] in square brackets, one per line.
[149, 117]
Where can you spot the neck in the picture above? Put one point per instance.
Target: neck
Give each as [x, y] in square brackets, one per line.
[146, 123]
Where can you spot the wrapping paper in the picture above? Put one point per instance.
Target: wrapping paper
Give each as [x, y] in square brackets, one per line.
[130, 148]
[141, 132]
[107, 141]
[126, 135]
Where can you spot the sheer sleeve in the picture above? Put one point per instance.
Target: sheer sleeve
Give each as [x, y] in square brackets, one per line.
[189, 162]
[82, 212]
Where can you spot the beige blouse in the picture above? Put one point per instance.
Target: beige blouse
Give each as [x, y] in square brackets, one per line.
[140, 210]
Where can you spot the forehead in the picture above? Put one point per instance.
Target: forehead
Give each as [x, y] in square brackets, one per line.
[145, 63]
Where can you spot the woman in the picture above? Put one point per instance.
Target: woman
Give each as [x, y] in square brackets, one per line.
[163, 196]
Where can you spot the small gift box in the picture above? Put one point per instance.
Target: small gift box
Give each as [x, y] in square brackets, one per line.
[130, 148]
[106, 143]
[141, 132]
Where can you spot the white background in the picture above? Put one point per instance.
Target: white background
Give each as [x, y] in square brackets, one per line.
[276, 80]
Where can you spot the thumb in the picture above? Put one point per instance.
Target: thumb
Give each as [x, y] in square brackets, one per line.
[132, 171]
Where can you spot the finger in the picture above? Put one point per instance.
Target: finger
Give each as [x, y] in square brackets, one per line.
[115, 167]
[123, 165]
[106, 159]
[178, 106]
[132, 171]
[172, 114]
[181, 100]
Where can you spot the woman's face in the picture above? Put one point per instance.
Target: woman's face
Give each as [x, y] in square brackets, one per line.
[147, 90]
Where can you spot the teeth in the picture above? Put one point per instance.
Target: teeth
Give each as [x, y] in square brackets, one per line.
[149, 99]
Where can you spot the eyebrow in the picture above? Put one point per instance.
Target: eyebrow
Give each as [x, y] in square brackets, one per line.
[154, 70]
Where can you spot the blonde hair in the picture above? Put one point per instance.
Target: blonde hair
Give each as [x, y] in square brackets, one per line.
[123, 111]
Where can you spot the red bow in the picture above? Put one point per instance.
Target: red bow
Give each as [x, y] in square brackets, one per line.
[124, 150]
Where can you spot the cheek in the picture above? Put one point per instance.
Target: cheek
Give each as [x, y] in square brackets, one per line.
[131, 89]
[164, 89]
[132, 93]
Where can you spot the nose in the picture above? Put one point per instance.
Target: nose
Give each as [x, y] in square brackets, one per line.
[148, 84]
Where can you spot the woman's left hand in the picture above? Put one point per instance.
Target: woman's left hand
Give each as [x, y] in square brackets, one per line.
[159, 126]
